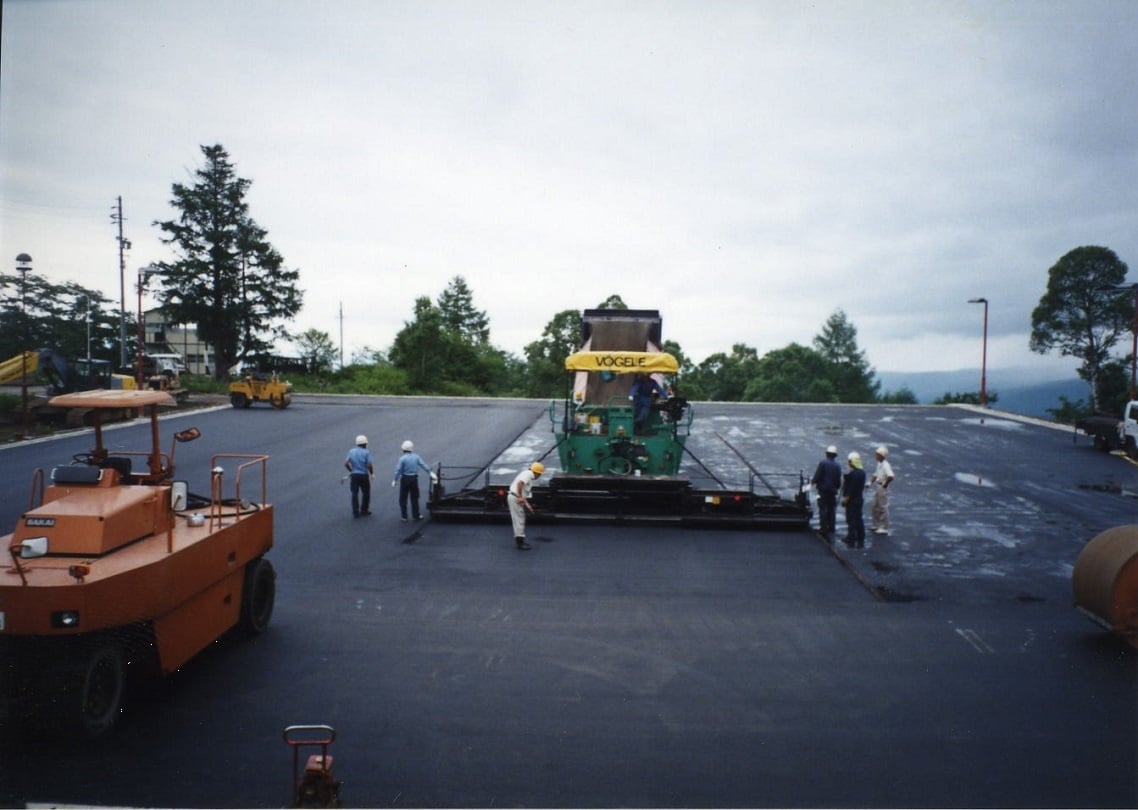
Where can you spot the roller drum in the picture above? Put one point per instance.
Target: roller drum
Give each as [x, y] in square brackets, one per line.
[1105, 580]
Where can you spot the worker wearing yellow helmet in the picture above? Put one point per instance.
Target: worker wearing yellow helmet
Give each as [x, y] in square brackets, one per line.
[521, 491]
[853, 486]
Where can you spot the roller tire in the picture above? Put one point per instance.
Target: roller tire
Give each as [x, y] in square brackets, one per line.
[84, 696]
[101, 690]
[257, 597]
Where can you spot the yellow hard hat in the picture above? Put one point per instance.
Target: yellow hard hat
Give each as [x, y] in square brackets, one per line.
[537, 467]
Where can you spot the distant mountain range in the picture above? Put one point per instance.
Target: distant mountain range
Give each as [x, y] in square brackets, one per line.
[1020, 390]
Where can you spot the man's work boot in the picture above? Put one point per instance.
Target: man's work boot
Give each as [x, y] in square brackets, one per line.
[522, 544]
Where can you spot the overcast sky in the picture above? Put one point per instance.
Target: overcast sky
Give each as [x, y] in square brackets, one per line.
[747, 168]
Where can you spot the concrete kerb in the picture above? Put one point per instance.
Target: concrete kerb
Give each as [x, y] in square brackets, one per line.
[1014, 417]
[63, 434]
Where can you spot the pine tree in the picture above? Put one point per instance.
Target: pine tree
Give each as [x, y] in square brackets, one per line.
[227, 280]
[851, 377]
[456, 305]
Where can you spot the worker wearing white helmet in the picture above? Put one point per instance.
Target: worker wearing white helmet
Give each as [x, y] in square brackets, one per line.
[361, 469]
[853, 489]
[407, 477]
[882, 478]
[521, 491]
[827, 481]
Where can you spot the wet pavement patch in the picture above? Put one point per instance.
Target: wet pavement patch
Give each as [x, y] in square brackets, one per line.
[889, 595]
[1107, 487]
[413, 537]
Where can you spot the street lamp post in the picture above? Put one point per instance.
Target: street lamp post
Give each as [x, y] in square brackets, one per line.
[984, 354]
[1134, 348]
[88, 319]
[23, 267]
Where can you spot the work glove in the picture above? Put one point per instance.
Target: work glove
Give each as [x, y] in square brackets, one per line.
[434, 478]
[393, 483]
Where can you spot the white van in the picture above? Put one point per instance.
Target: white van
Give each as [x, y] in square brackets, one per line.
[165, 363]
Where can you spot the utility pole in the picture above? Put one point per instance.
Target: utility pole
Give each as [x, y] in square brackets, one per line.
[341, 334]
[124, 246]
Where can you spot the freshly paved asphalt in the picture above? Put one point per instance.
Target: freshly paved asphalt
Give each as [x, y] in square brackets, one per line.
[944, 666]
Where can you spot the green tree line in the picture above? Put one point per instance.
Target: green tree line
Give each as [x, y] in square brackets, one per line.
[38, 314]
[227, 280]
[445, 348]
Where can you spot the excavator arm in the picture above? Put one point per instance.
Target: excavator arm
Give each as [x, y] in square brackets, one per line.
[16, 367]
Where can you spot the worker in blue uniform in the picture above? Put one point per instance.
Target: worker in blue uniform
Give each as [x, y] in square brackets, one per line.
[361, 469]
[407, 477]
[827, 481]
[645, 391]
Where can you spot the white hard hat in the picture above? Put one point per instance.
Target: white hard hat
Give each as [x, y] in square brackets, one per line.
[361, 439]
[408, 446]
[831, 450]
[855, 459]
[882, 451]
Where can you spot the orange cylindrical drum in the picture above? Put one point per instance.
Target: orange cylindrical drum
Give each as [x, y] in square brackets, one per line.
[1105, 580]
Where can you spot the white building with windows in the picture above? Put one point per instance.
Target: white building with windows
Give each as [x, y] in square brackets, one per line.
[162, 337]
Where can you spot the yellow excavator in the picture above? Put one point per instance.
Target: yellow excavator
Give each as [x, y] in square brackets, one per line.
[61, 375]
